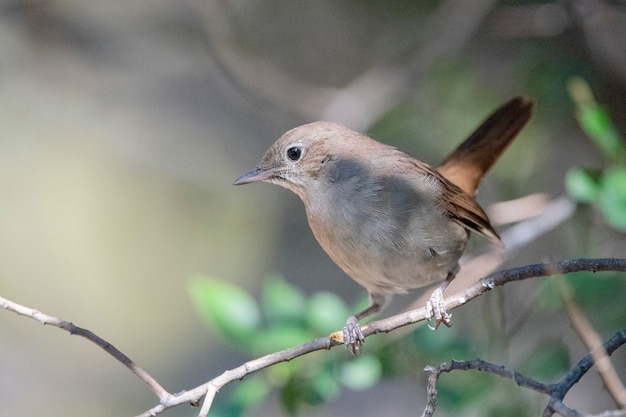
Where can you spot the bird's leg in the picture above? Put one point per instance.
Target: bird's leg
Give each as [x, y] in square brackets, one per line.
[353, 336]
[435, 306]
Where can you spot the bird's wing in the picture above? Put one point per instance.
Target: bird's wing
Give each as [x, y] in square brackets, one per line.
[460, 206]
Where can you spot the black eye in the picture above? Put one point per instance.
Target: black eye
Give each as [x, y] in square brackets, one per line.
[294, 153]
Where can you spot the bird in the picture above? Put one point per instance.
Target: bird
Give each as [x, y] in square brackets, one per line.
[391, 222]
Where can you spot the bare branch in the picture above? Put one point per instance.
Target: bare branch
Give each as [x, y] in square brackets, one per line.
[557, 406]
[386, 325]
[209, 389]
[555, 391]
[584, 364]
[495, 280]
[69, 327]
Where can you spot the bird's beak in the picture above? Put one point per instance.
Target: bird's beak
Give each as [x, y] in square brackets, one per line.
[254, 175]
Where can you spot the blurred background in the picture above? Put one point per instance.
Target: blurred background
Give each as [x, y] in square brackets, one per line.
[124, 123]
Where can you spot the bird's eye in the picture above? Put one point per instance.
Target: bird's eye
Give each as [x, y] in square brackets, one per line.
[294, 153]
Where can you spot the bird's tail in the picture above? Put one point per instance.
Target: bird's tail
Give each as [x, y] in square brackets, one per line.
[468, 163]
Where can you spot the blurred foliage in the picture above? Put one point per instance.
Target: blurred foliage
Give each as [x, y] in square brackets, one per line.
[547, 361]
[601, 296]
[603, 188]
[286, 317]
[229, 309]
[431, 128]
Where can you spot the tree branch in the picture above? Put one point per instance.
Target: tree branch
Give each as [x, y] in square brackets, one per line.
[498, 279]
[570, 379]
[209, 389]
[593, 342]
[386, 325]
[556, 391]
[72, 329]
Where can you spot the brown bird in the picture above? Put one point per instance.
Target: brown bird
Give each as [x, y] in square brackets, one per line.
[391, 222]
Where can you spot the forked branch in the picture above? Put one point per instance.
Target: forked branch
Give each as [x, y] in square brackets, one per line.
[556, 391]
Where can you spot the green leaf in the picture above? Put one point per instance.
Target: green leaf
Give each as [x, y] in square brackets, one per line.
[230, 310]
[327, 312]
[613, 197]
[361, 373]
[596, 122]
[282, 302]
[583, 185]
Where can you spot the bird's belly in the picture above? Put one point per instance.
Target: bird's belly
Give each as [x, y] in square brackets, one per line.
[387, 264]
[400, 272]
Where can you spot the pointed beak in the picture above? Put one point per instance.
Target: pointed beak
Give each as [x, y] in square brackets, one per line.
[254, 175]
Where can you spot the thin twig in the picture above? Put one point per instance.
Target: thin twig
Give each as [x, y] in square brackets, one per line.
[495, 280]
[555, 391]
[584, 364]
[386, 325]
[559, 407]
[72, 329]
[209, 389]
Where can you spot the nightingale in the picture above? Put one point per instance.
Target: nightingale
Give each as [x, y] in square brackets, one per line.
[391, 222]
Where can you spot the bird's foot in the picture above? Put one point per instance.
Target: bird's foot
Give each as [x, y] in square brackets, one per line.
[435, 307]
[353, 337]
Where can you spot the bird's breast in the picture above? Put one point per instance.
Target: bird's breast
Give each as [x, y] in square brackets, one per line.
[385, 231]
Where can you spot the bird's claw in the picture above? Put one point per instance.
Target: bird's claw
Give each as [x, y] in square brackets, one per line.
[435, 307]
[353, 336]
